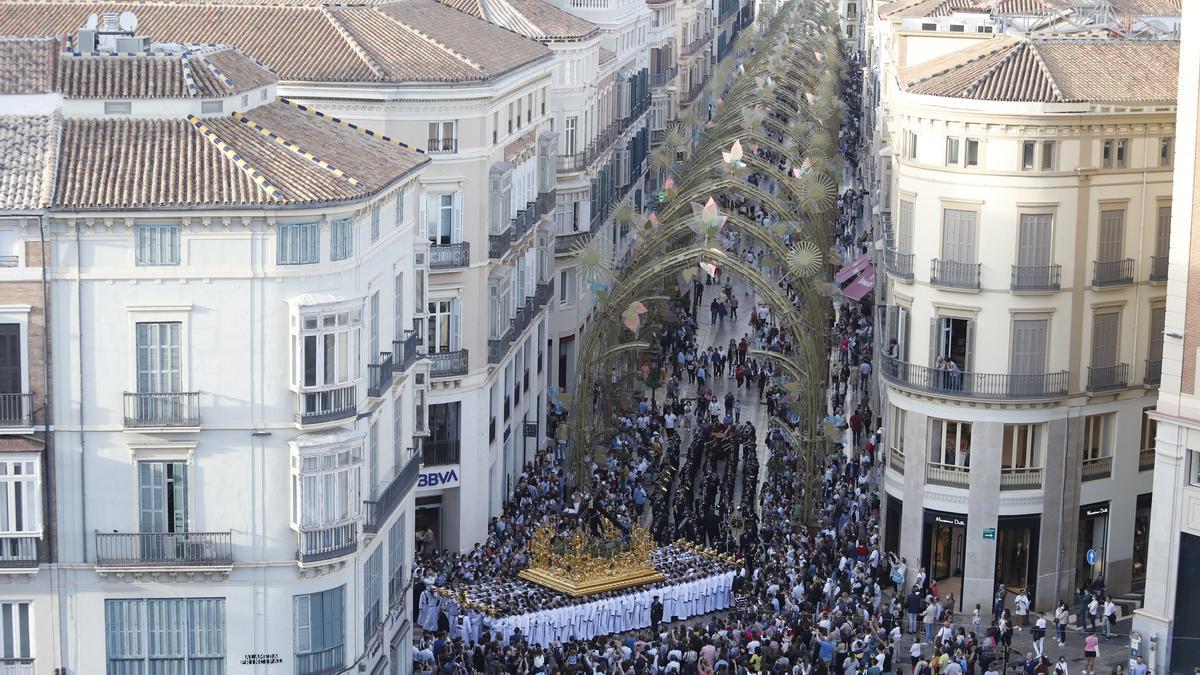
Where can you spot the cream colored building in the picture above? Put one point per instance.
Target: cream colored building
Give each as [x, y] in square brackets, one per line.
[1026, 207]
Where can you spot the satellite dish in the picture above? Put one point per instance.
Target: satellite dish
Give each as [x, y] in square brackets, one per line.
[92, 21]
[127, 21]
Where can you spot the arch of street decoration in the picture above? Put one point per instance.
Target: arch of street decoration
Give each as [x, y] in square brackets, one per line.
[802, 88]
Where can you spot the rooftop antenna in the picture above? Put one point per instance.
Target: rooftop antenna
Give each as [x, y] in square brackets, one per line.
[128, 21]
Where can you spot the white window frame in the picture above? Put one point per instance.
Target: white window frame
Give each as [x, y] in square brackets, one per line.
[21, 637]
[977, 144]
[952, 150]
[1099, 428]
[157, 244]
[298, 243]
[136, 639]
[302, 625]
[316, 469]
[22, 469]
[341, 238]
[19, 314]
[1024, 445]
[340, 319]
[940, 429]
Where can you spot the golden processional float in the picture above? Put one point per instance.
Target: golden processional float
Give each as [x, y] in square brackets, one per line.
[781, 93]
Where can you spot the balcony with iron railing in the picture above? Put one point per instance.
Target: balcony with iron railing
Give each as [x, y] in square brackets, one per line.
[566, 242]
[635, 112]
[329, 661]
[1020, 478]
[404, 352]
[404, 478]
[953, 274]
[1158, 268]
[16, 410]
[327, 405]
[440, 451]
[379, 375]
[449, 256]
[956, 383]
[521, 224]
[578, 161]
[441, 145]
[159, 410]
[1153, 374]
[950, 475]
[448, 364]
[1112, 273]
[545, 292]
[1105, 378]
[320, 544]
[1096, 468]
[497, 347]
[899, 265]
[1146, 459]
[665, 78]
[164, 550]
[17, 552]
[1036, 278]
[690, 49]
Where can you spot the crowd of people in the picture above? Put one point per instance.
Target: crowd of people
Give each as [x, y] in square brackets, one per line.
[815, 597]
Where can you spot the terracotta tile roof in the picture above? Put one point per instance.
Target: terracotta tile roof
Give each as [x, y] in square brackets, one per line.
[1148, 7]
[27, 65]
[308, 40]
[532, 18]
[27, 147]
[225, 161]
[1051, 71]
[912, 9]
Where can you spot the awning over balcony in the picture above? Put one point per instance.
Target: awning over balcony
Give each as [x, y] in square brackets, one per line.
[865, 283]
[847, 272]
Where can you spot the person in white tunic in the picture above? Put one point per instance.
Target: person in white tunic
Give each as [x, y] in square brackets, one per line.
[428, 614]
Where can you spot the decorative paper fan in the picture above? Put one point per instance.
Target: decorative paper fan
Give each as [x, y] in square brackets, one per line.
[805, 259]
[632, 316]
[816, 191]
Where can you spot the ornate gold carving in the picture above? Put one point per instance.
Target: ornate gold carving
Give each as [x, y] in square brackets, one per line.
[575, 564]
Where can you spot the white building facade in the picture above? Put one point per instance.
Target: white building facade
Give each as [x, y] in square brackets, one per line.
[1025, 225]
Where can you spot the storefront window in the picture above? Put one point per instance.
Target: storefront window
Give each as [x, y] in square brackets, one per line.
[1093, 536]
[1016, 552]
[945, 548]
[1141, 537]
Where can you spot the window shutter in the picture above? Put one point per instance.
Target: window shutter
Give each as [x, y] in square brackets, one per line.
[11, 381]
[1034, 245]
[934, 342]
[1162, 234]
[1104, 339]
[1158, 320]
[905, 242]
[455, 325]
[969, 359]
[457, 234]
[152, 497]
[1112, 231]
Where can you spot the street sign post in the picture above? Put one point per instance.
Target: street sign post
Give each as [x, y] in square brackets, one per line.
[1092, 557]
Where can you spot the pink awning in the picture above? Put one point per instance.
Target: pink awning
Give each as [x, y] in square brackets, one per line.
[853, 268]
[865, 283]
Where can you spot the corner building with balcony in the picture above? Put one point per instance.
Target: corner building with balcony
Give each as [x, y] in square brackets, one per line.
[475, 97]
[236, 373]
[1026, 220]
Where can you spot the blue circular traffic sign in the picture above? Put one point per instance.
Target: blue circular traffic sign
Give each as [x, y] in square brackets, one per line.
[1092, 557]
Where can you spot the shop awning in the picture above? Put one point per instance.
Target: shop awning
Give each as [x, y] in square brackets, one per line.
[853, 268]
[865, 283]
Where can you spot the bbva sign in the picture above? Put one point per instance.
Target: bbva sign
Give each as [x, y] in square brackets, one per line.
[438, 478]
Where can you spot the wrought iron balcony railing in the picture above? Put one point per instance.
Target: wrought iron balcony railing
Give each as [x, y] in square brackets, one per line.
[169, 409]
[997, 386]
[1097, 468]
[329, 661]
[436, 452]
[448, 364]
[328, 405]
[164, 549]
[1146, 459]
[1153, 374]
[1103, 378]
[1033, 278]
[896, 460]
[664, 78]
[1158, 268]
[953, 274]
[1112, 272]
[379, 375]
[899, 264]
[566, 242]
[403, 480]
[404, 352]
[16, 410]
[327, 543]
[545, 292]
[449, 256]
[18, 552]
